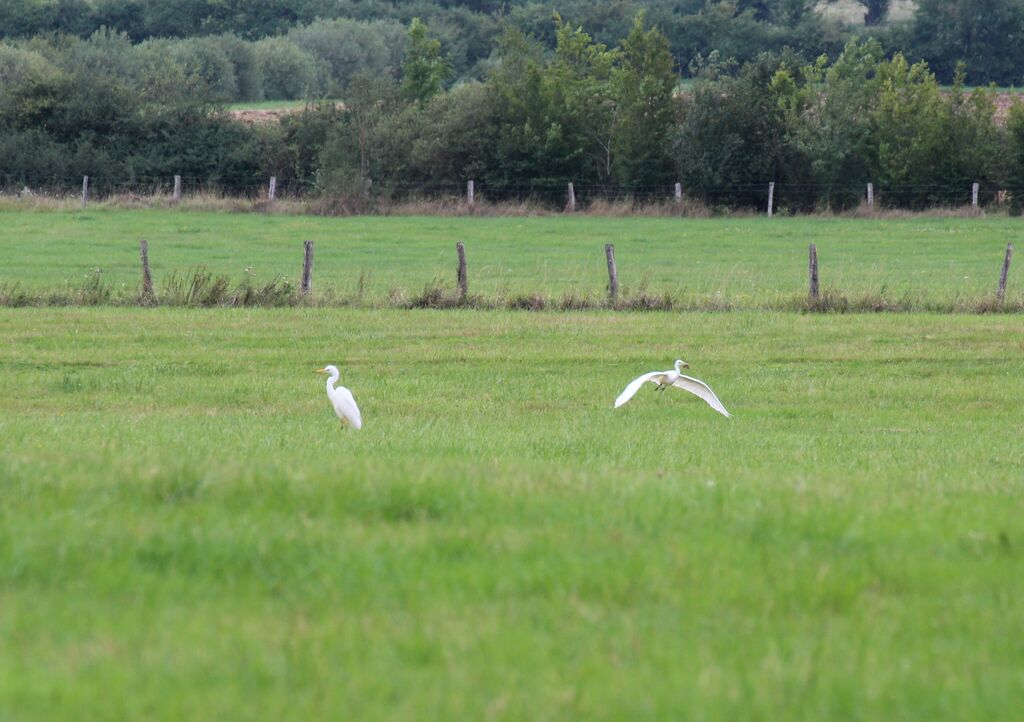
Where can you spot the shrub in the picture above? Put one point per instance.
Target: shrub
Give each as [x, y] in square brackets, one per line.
[288, 71]
[19, 66]
[206, 60]
[248, 76]
[345, 48]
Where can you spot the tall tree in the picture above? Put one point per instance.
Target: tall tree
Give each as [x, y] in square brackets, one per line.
[581, 106]
[736, 132]
[644, 83]
[424, 70]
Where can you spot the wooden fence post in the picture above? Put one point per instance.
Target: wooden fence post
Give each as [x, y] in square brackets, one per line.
[771, 199]
[85, 191]
[147, 278]
[272, 189]
[572, 198]
[460, 273]
[679, 193]
[1001, 293]
[470, 193]
[307, 267]
[176, 196]
[812, 272]
[974, 195]
[871, 197]
[613, 273]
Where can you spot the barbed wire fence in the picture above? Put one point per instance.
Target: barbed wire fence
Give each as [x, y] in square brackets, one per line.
[572, 198]
[770, 197]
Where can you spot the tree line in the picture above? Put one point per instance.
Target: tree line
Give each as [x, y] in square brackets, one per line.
[310, 61]
[985, 34]
[609, 118]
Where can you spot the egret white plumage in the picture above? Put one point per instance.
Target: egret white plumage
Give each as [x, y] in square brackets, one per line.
[341, 398]
[673, 377]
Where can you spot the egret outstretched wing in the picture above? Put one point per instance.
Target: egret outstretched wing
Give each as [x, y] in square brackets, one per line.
[634, 386]
[701, 389]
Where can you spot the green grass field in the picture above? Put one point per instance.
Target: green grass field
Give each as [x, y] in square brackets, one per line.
[748, 262]
[187, 533]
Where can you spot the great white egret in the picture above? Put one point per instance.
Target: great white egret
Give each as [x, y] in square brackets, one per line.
[342, 399]
[674, 377]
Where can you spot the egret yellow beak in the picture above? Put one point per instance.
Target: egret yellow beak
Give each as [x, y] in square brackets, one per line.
[686, 365]
[320, 371]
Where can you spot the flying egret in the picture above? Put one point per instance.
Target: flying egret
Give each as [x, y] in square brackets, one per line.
[664, 379]
[342, 399]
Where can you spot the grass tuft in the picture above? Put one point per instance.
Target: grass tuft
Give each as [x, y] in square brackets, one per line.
[15, 295]
[203, 289]
[434, 295]
[527, 302]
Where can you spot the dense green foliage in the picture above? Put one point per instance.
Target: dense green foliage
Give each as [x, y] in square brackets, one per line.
[985, 33]
[826, 129]
[310, 61]
[988, 35]
[129, 116]
[187, 534]
[608, 118]
[72, 113]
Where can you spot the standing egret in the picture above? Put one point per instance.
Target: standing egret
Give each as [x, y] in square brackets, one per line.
[664, 379]
[342, 399]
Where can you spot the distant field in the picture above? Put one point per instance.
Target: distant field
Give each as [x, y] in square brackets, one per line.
[746, 261]
[186, 532]
[269, 105]
[268, 111]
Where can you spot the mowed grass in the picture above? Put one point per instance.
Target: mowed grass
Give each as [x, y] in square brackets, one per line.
[746, 262]
[187, 533]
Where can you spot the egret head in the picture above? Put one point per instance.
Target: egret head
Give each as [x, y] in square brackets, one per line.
[680, 364]
[329, 370]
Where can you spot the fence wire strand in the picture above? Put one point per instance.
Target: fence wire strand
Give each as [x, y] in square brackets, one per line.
[787, 196]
